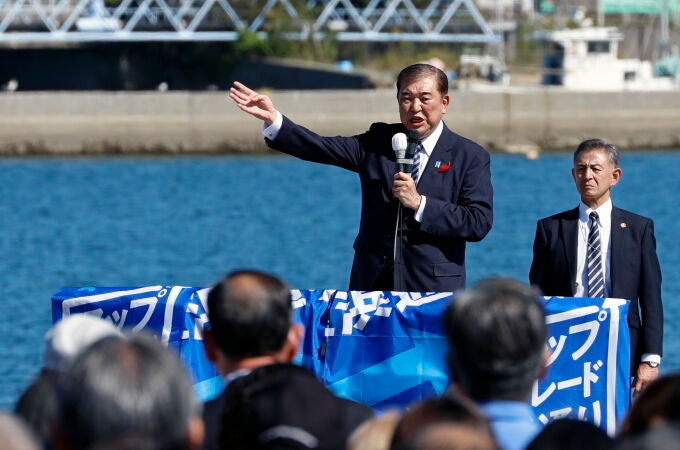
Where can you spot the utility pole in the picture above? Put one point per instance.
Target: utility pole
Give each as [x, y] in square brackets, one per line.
[600, 13]
[664, 42]
[501, 33]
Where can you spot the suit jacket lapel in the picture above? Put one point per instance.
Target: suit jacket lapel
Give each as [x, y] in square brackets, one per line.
[441, 152]
[616, 245]
[569, 227]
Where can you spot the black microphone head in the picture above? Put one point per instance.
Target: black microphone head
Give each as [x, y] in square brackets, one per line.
[413, 134]
[413, 140]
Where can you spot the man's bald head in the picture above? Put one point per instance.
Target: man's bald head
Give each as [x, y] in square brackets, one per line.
[250, 314]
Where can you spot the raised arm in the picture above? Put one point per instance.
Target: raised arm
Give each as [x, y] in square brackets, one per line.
[257, 105]
[293, 139]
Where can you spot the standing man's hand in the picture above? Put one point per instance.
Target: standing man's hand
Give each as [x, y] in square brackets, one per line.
[257, 105]
[404, 190]
[644, 375]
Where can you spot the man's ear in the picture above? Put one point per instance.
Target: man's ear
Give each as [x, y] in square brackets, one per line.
[195, 433]
[209, 346]
[451, 363]
[616, 176]
[293, 342]
[544, 365]
[59, 440]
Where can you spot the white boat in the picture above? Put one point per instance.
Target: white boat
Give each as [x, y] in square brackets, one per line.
[587, 59]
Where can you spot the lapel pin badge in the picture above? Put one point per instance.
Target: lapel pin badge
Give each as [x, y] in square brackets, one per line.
[623, 225]
[442, 168]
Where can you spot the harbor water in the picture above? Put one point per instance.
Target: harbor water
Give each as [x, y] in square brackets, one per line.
[126, 221]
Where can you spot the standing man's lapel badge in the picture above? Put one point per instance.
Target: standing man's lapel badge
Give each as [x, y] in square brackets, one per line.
[441, 168]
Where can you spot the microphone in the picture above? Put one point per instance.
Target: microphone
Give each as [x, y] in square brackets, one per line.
[412, 147]
[400, 145]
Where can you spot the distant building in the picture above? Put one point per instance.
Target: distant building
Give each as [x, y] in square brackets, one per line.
[587, 59]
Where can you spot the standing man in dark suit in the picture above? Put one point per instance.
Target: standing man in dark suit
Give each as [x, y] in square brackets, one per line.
[599, 250]
[448, 204]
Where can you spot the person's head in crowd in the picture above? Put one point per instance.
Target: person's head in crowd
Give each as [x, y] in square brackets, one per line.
[496, 334]
[571, 434]
[665, 437]
[656, 406]
[16, 435]
[250, 315]
[68, 337]
[451, 436]
[37, 405]
[375, 433]
[450, 408]
[133, 388]
[268, 403]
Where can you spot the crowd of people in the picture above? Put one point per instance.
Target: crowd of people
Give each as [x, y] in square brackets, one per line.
[101, 388]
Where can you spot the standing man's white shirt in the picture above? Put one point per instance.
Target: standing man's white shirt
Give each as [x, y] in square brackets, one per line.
[604, 212]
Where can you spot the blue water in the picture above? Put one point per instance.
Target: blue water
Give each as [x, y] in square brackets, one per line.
[187, 221]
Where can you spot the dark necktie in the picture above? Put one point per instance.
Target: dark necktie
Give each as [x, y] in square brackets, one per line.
[594, 260]
[415, 170]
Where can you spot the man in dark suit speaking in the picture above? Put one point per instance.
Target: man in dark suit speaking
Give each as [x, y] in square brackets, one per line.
[599, 250]
[443, 203]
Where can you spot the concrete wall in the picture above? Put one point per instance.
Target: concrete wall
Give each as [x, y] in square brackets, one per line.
[190, 122]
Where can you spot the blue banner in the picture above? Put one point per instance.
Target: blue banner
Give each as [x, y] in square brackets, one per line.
[387, 349]
[589, 368]
[174, 314]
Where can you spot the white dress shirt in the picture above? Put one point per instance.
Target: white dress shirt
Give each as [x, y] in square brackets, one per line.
[271, 131]
[605, 228]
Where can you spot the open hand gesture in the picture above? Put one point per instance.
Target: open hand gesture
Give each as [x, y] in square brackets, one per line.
[257, 105]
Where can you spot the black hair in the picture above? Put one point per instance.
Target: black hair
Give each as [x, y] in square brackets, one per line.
[422, 70]
[250, 314]
[496, 333]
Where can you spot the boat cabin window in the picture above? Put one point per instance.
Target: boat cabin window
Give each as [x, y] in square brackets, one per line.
[553, 64]
[629, 76]
[598, 46]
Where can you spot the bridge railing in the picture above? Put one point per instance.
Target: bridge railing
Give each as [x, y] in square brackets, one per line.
[222, 20]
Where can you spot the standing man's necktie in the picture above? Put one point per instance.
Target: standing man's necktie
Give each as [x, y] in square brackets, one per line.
[594, 259]
[416, 163]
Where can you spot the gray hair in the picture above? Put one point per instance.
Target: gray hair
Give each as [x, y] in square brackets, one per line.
[598, 144]
[14, 433]
[126, 387]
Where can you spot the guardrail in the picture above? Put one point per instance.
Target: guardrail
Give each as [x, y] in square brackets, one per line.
[42, 21]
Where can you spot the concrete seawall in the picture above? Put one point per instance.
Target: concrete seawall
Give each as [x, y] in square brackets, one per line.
[49, 123]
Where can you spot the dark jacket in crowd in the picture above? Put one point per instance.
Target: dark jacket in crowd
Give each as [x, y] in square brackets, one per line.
[280, 406]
